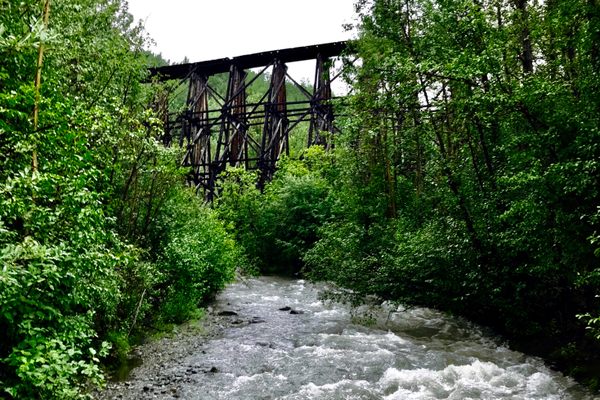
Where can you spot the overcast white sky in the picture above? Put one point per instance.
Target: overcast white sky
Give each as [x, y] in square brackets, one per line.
[208, 29]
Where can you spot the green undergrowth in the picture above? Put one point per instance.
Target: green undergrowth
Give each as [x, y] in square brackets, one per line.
[276, 227]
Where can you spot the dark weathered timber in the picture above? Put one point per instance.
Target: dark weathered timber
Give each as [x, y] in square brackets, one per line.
[275, 134]
[228, 135]
[321, 120]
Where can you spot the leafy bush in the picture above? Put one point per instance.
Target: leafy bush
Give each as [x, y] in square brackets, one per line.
[240, 206]
[277, 227]
[59, 283]
[198, 257]
[49, 343]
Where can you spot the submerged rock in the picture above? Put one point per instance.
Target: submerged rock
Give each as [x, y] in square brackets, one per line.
[227, 313]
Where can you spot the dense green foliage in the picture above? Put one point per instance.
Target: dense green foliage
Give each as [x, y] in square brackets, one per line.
[277, 227]
[98, 235]
[467, 176]
[197, 256]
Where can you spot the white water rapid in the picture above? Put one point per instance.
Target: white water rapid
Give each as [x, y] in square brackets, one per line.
[324, 352]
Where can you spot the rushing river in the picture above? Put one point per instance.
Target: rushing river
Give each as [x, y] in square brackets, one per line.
[324, 352]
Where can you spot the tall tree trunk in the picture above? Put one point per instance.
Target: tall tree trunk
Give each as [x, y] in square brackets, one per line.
[453, 182]
[500, 23]
[526, 47]
[389, 176]
[38, 84]
[593, 17]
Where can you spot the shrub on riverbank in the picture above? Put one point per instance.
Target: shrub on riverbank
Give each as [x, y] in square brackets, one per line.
[197, 257]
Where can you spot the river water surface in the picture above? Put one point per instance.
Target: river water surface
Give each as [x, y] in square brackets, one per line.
[324, 352]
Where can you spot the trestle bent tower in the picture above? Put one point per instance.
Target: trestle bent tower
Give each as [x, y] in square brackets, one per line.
[227, 134]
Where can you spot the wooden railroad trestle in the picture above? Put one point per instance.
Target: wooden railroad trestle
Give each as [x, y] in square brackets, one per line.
[215, 138]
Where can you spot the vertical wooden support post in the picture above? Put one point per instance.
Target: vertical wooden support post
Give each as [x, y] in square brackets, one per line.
[231, 146]
[185, 125]
[275, 132]
[198, 148]
[195, 134]
[321, 120]
[237, 124]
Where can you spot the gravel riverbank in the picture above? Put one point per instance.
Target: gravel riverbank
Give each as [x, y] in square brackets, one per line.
[163, 361]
